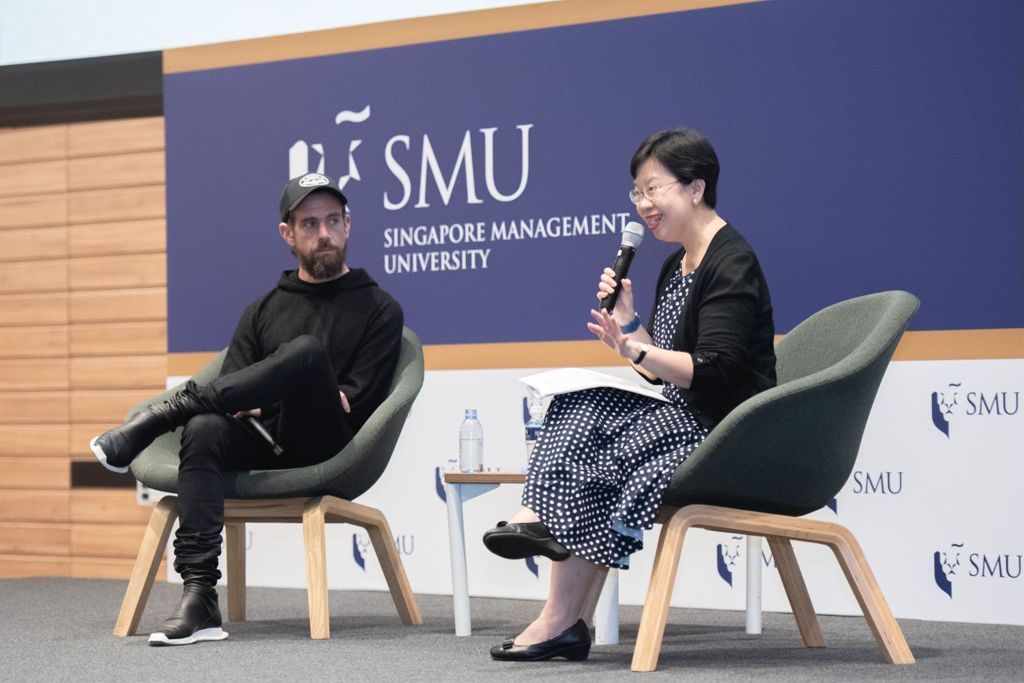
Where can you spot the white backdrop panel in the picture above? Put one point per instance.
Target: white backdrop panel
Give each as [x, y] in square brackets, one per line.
[918, 494]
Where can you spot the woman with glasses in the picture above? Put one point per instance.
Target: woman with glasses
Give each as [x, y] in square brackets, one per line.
[605, 457]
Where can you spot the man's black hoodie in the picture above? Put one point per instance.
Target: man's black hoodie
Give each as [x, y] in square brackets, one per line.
[359, 324]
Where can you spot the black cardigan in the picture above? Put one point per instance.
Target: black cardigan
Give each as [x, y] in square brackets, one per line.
[726, 325]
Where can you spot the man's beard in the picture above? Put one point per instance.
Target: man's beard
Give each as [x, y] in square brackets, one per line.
[325, 263]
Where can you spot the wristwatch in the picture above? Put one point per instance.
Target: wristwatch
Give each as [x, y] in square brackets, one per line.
[644, 348]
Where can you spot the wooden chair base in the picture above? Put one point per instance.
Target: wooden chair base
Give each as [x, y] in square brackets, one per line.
[779, 530]
[314, 513]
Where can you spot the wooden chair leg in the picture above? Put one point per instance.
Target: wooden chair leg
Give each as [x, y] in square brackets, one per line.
[594, 595]
[152, 549]
[796, 591]
[868, 593]
[383, 540]
[234, 533]
[659, 592]
[316, 569]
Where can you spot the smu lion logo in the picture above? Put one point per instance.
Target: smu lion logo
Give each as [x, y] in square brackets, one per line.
[945, 566]
[726, 557]
[942, 407]
[360, 545]
[984, 404]
[299, 153]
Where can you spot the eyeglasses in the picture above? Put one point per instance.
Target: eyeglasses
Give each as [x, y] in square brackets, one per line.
[636, 195]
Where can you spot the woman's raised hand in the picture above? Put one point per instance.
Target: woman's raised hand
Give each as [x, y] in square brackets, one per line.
[608, 331]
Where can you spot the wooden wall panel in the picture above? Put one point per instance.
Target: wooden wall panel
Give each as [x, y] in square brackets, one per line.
[107, 339]
[83, 334]
[45, 341]
[119, 372]
[81, 434]
[33, 178]
[97, 206]
[113, 339]
[23, 566]
[119, 170]
[38, 407]
[103, 506]
[115, 137]
[117, 272]
[34, 506]
[38, 439]
[19, 145]
[119, 305]
[34, 276]
[33, 211]
[108, 568]
[34, 244]
[118, 237]
[34, 538]
[106, 540]
[34, 373]
[34, 367]
[108, 405]
[35, 473]
[35, 308]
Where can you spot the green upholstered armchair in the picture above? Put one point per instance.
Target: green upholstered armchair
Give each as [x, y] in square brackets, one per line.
[312, 495]
[786, 452]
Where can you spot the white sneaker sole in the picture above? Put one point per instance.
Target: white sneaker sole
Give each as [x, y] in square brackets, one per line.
[102, 457]
[201, 634]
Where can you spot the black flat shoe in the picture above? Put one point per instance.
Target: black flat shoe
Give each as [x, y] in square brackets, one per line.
[573, 643]
[518, 541]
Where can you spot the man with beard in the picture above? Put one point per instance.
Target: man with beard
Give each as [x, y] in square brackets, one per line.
[308, 363]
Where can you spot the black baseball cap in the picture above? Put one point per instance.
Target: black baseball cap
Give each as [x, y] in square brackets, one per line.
[299, 188]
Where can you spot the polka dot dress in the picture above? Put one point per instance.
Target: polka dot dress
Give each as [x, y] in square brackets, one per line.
[605, 456]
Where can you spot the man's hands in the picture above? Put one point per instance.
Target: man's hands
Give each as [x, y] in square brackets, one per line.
[255, 412]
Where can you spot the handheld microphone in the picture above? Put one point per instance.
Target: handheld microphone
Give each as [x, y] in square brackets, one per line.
[632, 236]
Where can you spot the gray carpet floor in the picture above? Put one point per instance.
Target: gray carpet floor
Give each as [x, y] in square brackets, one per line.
[60, 630]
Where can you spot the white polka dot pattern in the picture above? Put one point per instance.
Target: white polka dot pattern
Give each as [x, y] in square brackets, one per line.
[605, 456]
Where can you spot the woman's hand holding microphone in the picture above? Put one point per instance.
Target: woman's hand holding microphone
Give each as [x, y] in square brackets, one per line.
[608, 325]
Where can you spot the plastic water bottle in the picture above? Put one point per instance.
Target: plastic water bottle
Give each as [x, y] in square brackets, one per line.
[535, 423]
[471, 443]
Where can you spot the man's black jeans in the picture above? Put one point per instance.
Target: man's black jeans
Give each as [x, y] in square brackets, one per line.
[310, 427]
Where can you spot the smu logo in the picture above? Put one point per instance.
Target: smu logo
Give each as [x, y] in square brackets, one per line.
[945, 566]
[728, 554]
[998, 566]
[884, 483]
[953, 402]
[361, 547]
[420, 170]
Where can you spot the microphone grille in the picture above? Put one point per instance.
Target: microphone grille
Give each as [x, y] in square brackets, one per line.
[632, 234]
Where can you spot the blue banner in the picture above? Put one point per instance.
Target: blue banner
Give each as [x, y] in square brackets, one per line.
[865, 145]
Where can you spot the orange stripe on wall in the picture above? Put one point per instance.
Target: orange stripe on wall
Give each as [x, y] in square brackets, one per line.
[962, 345]
[422, 30]
[924, 345]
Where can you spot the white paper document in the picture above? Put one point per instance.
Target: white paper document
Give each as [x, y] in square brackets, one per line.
[565, 380]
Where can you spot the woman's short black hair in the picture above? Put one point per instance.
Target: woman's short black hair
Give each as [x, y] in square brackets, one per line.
[684, 152]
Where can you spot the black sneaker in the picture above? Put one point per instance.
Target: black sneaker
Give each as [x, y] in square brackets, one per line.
[117, 447]
[196, 618]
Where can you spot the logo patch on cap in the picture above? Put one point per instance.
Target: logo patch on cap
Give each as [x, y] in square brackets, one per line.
[313, 180]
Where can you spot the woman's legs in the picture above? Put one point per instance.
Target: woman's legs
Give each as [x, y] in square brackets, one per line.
[524, 516]
[570, 585]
